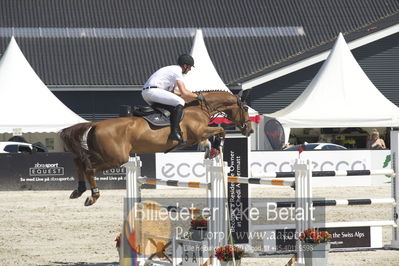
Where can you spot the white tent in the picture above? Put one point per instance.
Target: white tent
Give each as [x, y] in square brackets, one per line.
[340, 95]
[26, 104]
[203, 76]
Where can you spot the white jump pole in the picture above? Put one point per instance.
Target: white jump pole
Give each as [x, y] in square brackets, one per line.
[395, 187]
[303, 203]
[217, 225]
[133, 196]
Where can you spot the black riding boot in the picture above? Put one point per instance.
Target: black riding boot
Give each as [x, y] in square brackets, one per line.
[175, 118]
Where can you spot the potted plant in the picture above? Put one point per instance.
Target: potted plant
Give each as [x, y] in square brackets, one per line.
[316, 245]
[199, 227]
[225, 255]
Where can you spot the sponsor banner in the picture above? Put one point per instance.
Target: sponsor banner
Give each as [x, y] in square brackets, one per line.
[343, 237]
[282, 161]
[188, 166]
[115, 178]
[39, 171]
[56, 171]
[183, 166]
[235, 152]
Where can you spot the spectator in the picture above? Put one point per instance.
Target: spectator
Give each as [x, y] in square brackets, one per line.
[376, 142]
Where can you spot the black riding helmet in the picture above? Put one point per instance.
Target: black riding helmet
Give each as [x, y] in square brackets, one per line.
[185, 59]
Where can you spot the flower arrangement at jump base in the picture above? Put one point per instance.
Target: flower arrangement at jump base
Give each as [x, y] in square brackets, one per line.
[316, 246]
[225, 254]
[198, 228]
[313, 235]
[199, 222]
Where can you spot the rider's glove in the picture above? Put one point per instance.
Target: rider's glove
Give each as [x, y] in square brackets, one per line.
[200, 97]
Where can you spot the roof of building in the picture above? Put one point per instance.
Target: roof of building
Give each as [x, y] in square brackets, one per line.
[121, 42]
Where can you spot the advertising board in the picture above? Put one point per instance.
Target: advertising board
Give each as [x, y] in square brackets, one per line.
[56, 171]
[188, 166]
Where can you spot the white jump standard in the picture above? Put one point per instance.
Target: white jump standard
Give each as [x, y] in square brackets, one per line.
[217, 225]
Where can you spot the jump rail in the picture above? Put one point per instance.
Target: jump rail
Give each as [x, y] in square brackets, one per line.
[172, 183]
[323, 203]
[261, 181]
[327, 173]
[232, 179]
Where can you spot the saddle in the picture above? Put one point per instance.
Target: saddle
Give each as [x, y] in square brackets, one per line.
[156, 114]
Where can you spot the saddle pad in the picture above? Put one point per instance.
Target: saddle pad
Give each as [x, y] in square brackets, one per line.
[139, 110]
[157, 115]
[157, 119]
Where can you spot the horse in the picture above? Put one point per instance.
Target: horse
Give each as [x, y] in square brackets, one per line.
[107, 144]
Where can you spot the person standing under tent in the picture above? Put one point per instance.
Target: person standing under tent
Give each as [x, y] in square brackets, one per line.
[376, 142]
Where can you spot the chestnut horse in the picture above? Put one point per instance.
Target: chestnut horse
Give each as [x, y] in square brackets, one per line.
[107, 144]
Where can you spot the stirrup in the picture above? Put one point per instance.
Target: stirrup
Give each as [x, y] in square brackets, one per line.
[177, 136]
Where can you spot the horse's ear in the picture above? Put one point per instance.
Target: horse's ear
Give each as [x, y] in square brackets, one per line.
[243, 94]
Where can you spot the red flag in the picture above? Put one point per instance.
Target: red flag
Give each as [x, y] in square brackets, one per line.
[300, 149]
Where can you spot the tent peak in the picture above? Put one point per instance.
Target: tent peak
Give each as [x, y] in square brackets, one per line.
[204, 76]
[340, 95]
[37, 108]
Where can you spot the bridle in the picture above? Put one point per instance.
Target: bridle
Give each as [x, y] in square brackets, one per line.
[244, 108]
[215, 112]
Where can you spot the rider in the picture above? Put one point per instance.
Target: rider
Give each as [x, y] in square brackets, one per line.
[166, 86]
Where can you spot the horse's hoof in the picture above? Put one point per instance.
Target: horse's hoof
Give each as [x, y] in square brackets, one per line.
[90, 201]
[76, 194]
[93, 198]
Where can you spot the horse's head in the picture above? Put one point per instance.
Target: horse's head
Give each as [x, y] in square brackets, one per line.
[222, 102]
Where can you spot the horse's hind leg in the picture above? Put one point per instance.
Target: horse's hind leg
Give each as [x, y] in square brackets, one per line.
[95, 192]
[81, 183]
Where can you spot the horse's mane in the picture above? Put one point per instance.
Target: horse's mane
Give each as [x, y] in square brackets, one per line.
[197, 92]
[196, 102]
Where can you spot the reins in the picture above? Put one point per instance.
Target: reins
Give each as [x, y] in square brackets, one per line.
[208, 109]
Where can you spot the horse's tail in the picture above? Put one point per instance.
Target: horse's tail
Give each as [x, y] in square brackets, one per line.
[74, 138]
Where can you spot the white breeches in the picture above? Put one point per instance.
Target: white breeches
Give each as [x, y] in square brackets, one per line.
[156, 95]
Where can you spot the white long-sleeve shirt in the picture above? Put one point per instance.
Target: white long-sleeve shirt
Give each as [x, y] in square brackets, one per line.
[165, 78]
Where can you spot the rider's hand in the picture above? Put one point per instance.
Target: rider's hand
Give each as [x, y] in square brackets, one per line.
[200, 97]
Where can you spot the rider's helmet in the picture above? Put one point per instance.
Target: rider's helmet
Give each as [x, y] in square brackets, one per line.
[185, 59]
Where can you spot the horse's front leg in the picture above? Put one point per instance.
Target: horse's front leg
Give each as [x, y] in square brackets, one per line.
[95, 192]
[213, 131]
[212, 147]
